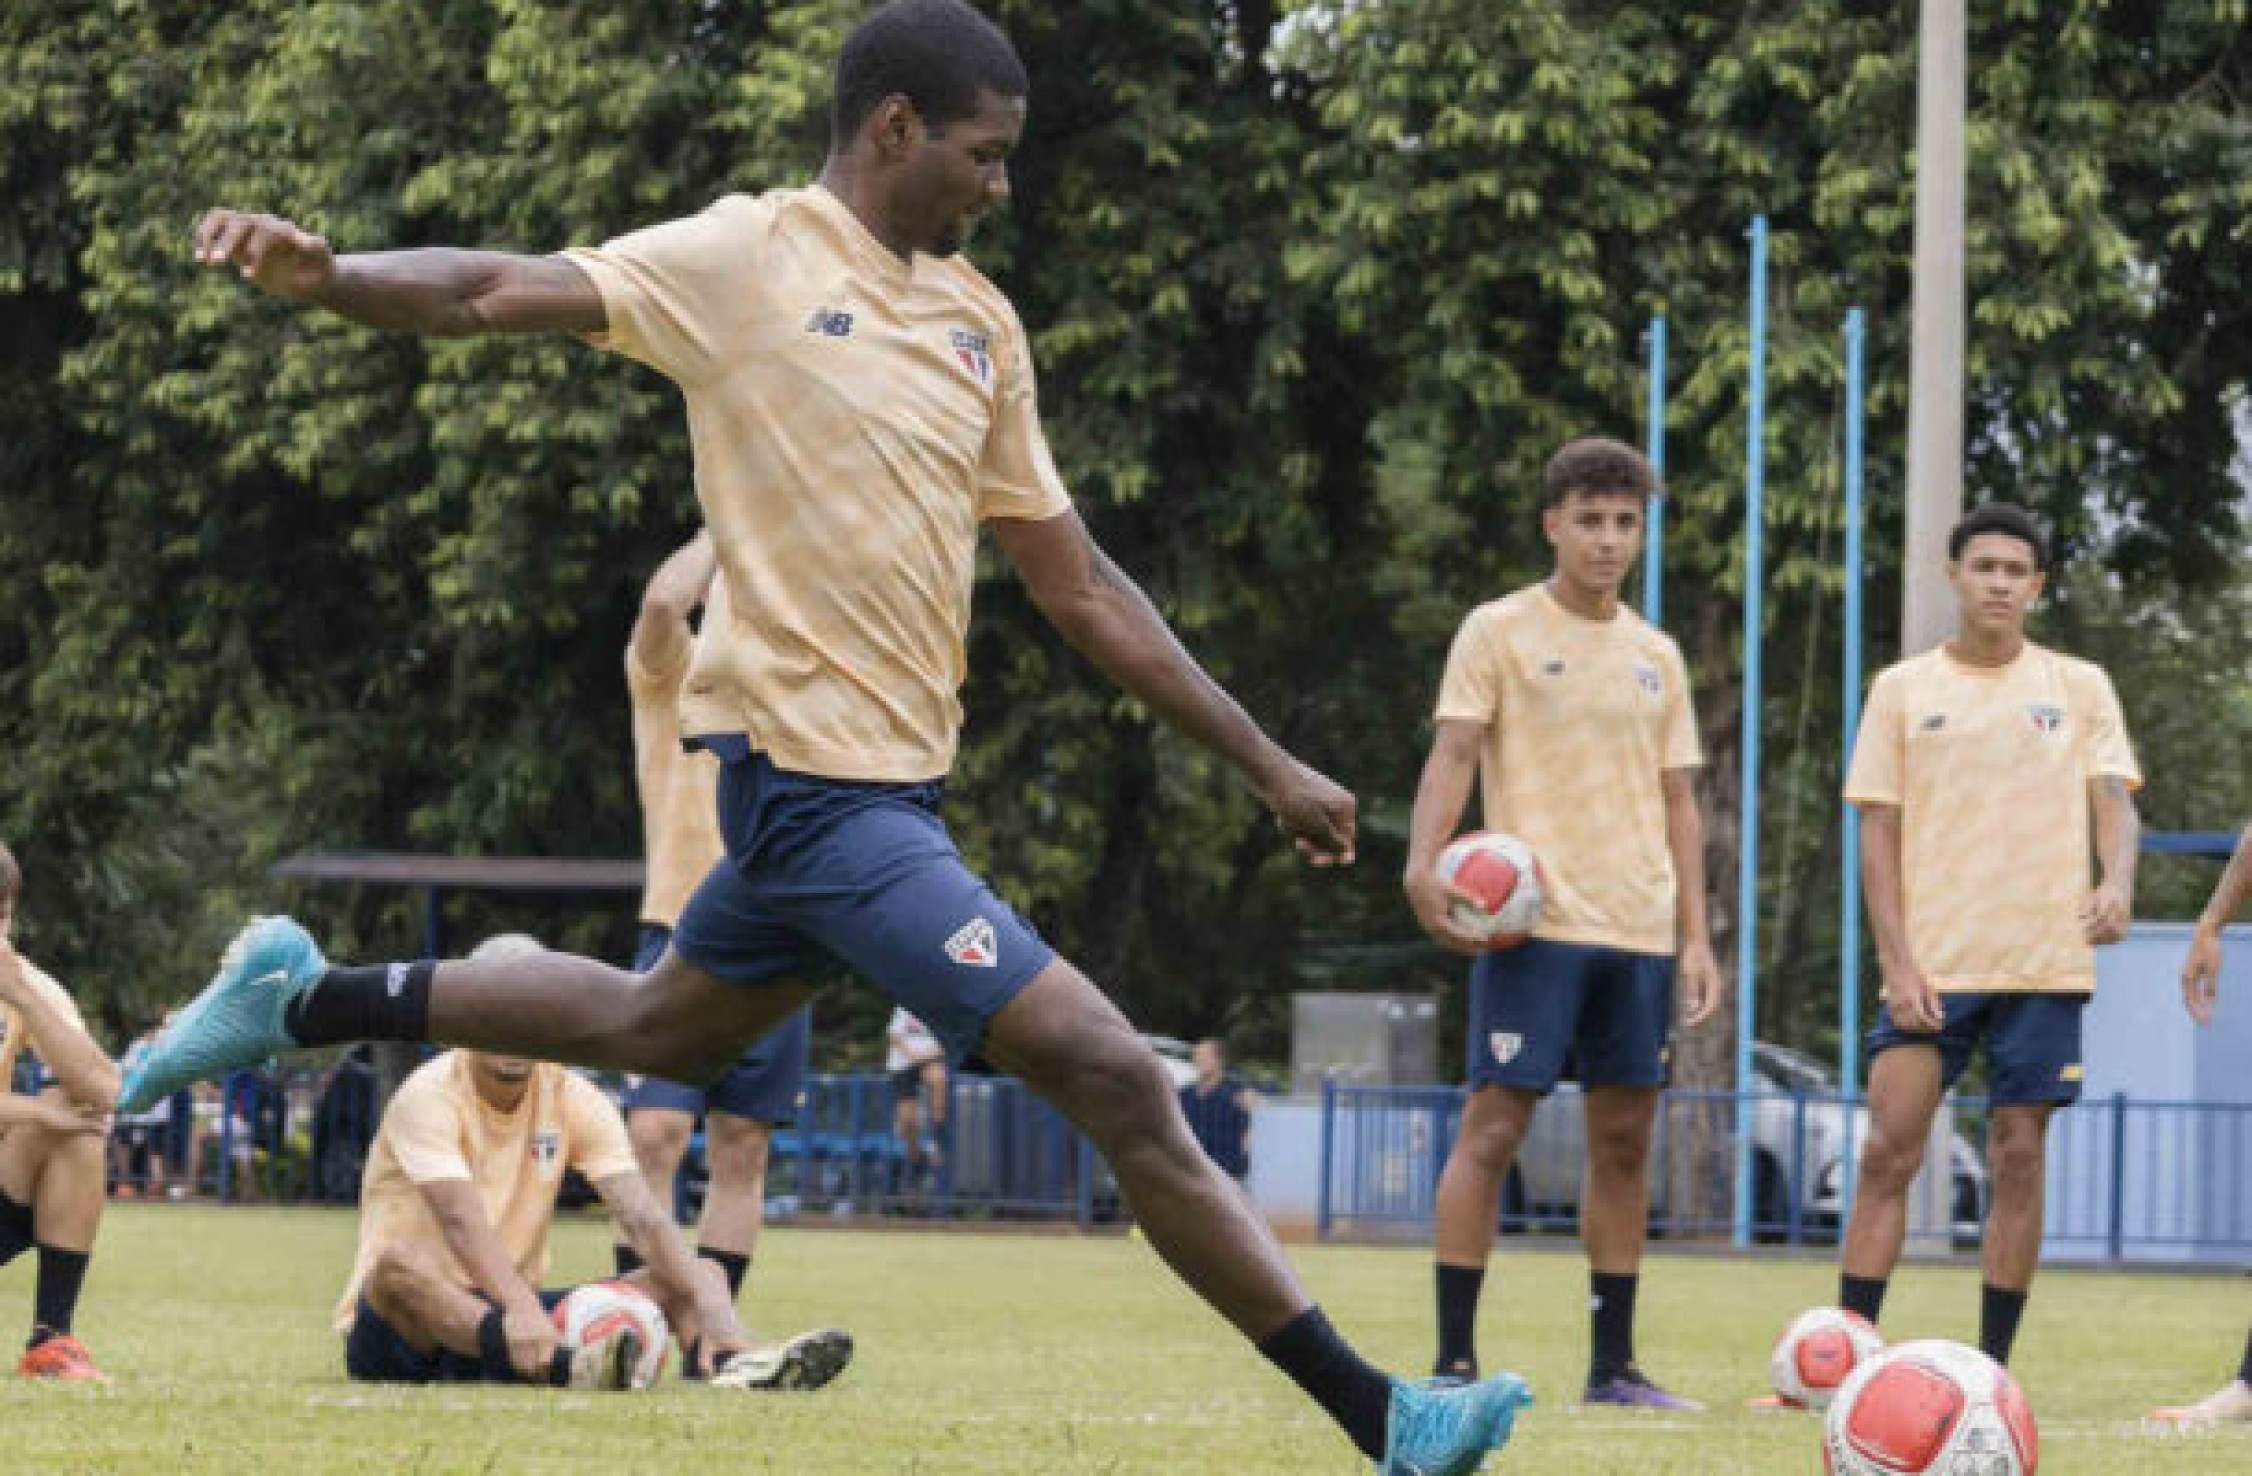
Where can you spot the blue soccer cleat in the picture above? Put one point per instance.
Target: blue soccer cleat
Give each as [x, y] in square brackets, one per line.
[1449, 1431]
[237, 1020]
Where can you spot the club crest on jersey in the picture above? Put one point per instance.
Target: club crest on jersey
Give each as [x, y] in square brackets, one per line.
[1934, 723]
[973, 945]
[829, 323]
[1646, 677]
[1553, 666]
[970, 348]
[2047, 720]
[547, 1146]
[1505, 1044]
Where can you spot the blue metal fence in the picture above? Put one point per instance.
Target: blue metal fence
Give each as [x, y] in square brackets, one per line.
[2127, 1179]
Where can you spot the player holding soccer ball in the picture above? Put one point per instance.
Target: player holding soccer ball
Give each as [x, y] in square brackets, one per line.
[1576, 714]
[1980, 770]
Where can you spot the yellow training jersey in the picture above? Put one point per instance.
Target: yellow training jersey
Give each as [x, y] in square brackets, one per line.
[1582, 717]
[438, 1127]
[1990, 768]
[854, 417]
[679, 789]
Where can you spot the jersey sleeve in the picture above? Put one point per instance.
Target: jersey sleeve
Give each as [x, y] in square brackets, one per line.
[1877, 774]
[423, 1129]
[599, 1148]
[1679, 739]
[1471, 688]
[673, 293]
[1017, 477]
[2109, 751]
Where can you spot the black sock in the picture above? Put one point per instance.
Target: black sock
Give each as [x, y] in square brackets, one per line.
[55, 1302]
[736, 1264]
[1458, 1316]
[1610, 1303]
[2244, 1369]
[559, 1368]
[1862, 1294]
[496, 1365]
[1999, 1308]
[1320, 1362]
[626, 1259]
[375, 1002]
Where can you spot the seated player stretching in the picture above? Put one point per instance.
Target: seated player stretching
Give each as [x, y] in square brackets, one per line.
[455, 1208]
[51, 1170]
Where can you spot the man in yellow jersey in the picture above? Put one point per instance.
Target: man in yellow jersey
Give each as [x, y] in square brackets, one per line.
[680, 839]
[860, 403]
[1980, 770]
[51, 1162]
[1575, 716]
[455, 1208]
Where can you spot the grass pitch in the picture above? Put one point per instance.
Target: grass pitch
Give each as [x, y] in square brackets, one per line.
[1033, 1354]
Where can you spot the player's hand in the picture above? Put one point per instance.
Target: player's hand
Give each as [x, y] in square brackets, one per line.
[532, 1341]
[68, 1117]
[1914, 1003]
[272, 254]
[1697, 973]
[1315, 811]
[2105, 914]
[1432, 896]
[2201, 975]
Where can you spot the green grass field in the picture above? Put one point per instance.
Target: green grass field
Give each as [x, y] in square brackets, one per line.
[1030, 1354]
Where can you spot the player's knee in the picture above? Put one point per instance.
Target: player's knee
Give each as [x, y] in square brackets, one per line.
[2016, 1160]
[1890, 1160]
[1620, 1152]
[738, 1149]
[1127, 1091]
[391, 1281]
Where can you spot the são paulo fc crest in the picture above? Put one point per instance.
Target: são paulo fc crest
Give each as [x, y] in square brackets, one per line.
[1646, 677]
[971, 350]
[2048, 720]
[547, 1146]
[973, 945]
[1505, 1045]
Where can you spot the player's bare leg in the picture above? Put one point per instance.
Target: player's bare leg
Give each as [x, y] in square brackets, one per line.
[1494, 1122]
[418, 1300]
[1904, 1092]
[61, 1177]
[2017, 1161]
[659, 1136]
[738, 1149]
[1614, 1224]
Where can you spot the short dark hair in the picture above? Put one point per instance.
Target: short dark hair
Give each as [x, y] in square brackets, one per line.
[2006, 518]
[11, 877]
[939, 54]
[1597, 464]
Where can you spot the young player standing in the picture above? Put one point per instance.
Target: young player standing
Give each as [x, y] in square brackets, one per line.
[1576, 715]
[1980, 769]
[860, 402]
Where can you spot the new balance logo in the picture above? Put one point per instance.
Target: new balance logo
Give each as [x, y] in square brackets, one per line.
[1934, 723]
[974, 945]
[829, 323]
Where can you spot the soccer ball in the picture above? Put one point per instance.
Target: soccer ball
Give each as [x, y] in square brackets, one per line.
[1496, 880]
[1816, 1352]
[608, 1309]
[1930, 1406]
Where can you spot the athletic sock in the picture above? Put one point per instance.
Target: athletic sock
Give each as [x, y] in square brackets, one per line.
[372, 1002]
[492, 1350]
[1999, 1308]
[1862, 1294]
[2244, 1369]
[737, 1265]
[1323, 1364]
[1458, 1288]
[626, 1259]
[55, 1301]
[1610, 1311]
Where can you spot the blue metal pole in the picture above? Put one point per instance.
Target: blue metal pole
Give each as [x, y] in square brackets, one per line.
[1654, 549]
[1747, 879]
[1328, 1148]
[1849, 888]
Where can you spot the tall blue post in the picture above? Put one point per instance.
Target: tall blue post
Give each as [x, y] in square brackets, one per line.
[1747, 878]
[1654, 547]
[1849, 879]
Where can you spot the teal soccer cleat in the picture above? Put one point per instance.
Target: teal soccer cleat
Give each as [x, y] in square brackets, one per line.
[1449, 1431]
[237, 1020]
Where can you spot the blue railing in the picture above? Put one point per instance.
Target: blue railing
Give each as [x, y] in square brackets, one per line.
[2127, 1179]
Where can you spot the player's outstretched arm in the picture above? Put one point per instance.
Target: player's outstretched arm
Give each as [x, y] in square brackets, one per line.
[643, 1224]
[437, 292]
[2201, 971]
[1439, 797]
[459, 1210]
[84, 1070]
[1106, 618]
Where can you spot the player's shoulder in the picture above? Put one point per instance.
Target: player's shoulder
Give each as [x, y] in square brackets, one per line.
[1515, 610]
[1909, 672]
[48, 985]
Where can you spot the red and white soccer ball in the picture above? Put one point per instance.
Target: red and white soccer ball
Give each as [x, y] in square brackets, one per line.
[1497, 887]
[1816, 1353]
[1930, 1406]
[609, 1309]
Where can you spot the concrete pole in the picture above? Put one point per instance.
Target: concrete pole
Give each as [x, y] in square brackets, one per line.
[1935, 369]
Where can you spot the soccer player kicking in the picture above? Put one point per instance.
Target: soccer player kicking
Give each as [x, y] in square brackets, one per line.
[678, 790]
[860, 400]
[1575, 714]
[455, 1208]
[2201, 985]
[51, 1163]
[1977, 770]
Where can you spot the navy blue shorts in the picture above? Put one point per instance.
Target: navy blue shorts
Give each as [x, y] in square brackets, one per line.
[2032, 1043]
[822, 872]
[767, 1085]
[375, 1353]
[1543, 1011]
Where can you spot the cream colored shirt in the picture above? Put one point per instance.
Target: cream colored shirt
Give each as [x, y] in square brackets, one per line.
[1583, 717]
[1989, 767]
[854, 417]
[438, 1127]
[679, 789]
